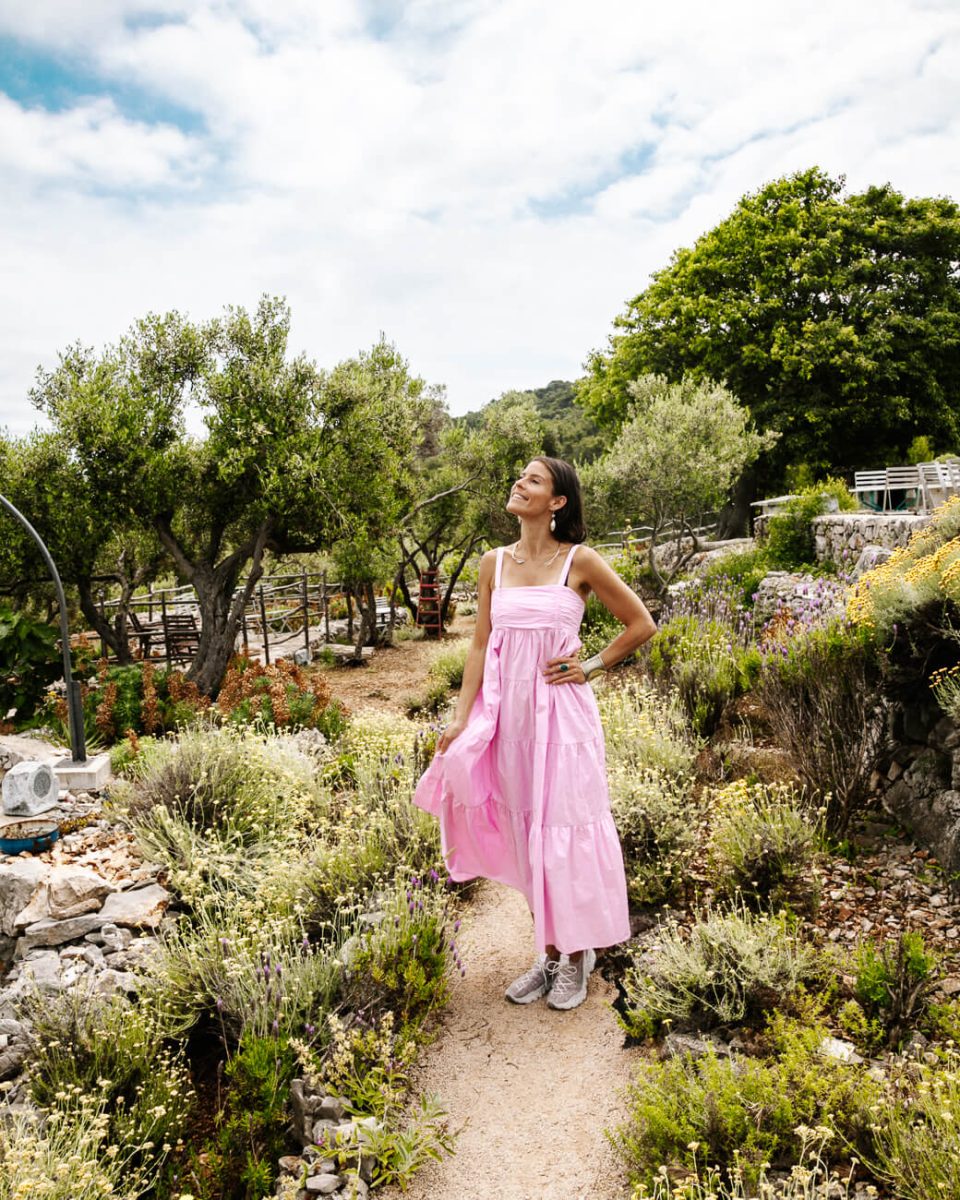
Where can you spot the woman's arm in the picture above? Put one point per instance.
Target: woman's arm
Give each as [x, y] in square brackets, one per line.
[473, 670]
[593, 570]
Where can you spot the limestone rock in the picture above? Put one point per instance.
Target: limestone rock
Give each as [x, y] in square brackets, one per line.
[323, 1185]
[55, 933]
[139, 909]
[332, 1108]
[677, 1045]
[75, 890]
[845, 1052]
[19, 880]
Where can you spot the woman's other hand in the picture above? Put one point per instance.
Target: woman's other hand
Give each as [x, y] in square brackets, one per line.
[450, 733]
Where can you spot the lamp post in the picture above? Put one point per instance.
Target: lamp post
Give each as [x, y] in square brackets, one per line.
[78, 748]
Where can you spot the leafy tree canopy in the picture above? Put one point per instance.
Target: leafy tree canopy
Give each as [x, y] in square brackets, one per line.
[835, 319]
[568, 431]
[675, 459]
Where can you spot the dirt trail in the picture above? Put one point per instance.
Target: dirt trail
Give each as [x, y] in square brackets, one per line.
[529, 1089]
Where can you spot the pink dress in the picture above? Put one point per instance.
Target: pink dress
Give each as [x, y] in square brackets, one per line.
[521, 794]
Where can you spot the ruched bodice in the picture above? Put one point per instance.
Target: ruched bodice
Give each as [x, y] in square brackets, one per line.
[522, 792]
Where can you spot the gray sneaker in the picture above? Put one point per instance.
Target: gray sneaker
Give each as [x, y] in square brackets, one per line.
[570, 981]
[534, 983]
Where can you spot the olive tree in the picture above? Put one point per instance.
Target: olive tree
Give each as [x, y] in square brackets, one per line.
[681, 449]
[292, 458]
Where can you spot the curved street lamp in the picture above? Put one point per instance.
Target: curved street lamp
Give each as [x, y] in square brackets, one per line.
[78, 748]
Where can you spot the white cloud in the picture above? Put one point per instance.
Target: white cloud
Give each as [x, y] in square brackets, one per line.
[487, 181]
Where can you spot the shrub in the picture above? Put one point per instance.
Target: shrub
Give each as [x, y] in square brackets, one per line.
[729, 969]
[917, 1139]
[598, 629]
[742, 570]
[445, 674]
[646, 729]
[894, 982]
[240, 1161]
[762, 844]
[282, 695]
[29, 662]
[82, 1044]
[650, 758]
[789, 542]
[737, 1114]
[708, 660]
[399, 964]
[822, 694]
[923, 575]
[263, 982]
[69, 1155]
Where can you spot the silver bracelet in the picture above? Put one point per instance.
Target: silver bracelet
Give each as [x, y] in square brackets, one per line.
[592, 666]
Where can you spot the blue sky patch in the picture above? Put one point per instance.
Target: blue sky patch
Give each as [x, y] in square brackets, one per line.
[36, 79]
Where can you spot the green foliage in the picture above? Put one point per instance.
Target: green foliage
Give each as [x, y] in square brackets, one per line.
[742, 571]
[730, 969]
[920, 450]
[823, 700]
[400, 965]
[598, 629]
[762, 845]
[569, 433]
[707, 661]
[29, 662]
[894, 982]
[739, 1114]
[827, 315]
[789, 543]
[240, 1162]
[683, 447]
[445, 674]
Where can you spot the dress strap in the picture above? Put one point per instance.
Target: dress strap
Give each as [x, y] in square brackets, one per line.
[499, 571]
[566, 564]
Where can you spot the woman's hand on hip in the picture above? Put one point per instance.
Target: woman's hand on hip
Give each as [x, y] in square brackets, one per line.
[450, 732]
[564, 670]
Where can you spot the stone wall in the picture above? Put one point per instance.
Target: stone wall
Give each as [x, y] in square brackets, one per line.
[840, 537]
[920, 783]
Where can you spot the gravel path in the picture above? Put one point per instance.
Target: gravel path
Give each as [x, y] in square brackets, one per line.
[530, 1090]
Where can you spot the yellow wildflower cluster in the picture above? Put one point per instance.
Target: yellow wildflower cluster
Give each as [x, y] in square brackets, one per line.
[926, 569]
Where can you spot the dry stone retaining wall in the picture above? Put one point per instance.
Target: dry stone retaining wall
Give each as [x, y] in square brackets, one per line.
[840, 537]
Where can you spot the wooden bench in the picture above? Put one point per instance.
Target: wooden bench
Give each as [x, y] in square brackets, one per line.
[181, 637]
[883, 483]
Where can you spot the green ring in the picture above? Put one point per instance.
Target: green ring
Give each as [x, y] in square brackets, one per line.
[564, 666]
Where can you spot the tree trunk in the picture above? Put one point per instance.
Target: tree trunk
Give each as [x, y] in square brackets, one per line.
[734, 519]
[220, 613]
[114, 635]
[367, 608]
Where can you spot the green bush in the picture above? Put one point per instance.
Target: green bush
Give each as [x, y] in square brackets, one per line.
[240, 1161]
[730, 968]
[789, 542]
[743, 570]
[598, 629]
[29, 662]
[737, 1114]
[708, 663]
[894, 982]
[445, 675]
[762, 845]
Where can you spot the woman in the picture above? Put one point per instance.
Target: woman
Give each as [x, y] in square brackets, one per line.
[519, 780]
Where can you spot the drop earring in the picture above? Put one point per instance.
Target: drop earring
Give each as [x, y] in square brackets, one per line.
[553, 524]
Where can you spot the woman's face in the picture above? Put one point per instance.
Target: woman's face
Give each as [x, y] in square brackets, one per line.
[532, 494]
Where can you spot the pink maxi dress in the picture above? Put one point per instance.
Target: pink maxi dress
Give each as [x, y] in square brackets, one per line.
[521, 794]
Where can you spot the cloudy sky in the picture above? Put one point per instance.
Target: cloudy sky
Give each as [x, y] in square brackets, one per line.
[485, 181]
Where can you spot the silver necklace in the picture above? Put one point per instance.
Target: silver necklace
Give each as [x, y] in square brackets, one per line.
[521, 561]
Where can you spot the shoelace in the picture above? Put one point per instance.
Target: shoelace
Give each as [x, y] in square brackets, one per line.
[567, 974]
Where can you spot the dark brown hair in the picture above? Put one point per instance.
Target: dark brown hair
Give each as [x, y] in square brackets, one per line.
[569, 519]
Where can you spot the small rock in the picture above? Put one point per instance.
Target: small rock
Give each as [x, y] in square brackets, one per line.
[322, 1185]
[55, 933]
[19, 880]
[332, 1108]
[11, 1059]
[832, 1047]
[292, 1164]
[679, 1044]
[323, 1131]
[139, 909]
